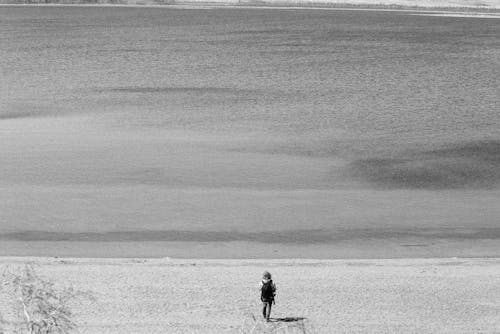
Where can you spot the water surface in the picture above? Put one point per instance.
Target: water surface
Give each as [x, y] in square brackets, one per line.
[263, 126]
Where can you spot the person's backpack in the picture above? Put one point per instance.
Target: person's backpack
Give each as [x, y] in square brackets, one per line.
[267, 291]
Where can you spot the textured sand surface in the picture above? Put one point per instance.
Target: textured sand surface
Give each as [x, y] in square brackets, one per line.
[221, 296]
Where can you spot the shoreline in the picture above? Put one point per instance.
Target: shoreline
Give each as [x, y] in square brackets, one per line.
[361, 243]
[367, 249]
[231, 262]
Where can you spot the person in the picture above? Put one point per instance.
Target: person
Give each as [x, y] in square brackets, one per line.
[267, 294]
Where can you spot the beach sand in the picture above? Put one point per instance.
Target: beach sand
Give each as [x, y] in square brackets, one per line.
[332, 296]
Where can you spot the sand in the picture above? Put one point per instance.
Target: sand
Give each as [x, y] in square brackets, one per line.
[332, 296]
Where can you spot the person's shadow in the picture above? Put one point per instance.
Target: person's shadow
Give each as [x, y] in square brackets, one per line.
[290, 325]
[287, 319]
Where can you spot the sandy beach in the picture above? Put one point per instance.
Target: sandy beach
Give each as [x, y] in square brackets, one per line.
[450, 295]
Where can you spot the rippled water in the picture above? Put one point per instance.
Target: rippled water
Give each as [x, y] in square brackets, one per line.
[105, 113]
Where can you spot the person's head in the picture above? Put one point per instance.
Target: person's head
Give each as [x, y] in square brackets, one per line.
[266, 275]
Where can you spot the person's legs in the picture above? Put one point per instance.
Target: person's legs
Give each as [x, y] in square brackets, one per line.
[266, 309]
[268, 313]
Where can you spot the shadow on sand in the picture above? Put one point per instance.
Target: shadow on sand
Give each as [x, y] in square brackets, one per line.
[287, 319]
[286, 325]
[289, 325]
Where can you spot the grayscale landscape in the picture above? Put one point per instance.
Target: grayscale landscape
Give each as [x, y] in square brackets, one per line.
[365, 141]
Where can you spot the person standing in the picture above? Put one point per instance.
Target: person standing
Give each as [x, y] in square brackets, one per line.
[267, 294]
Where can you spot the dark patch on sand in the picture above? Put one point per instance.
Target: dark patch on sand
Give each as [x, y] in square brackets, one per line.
[15, 115]
[128, 50]
[467, 165]
[174, 90]
[268, 237]
[359, 264]
[300, 236]
[260, 32]
[451, 263]
[288, 319]
[414, 245]
[21, 110]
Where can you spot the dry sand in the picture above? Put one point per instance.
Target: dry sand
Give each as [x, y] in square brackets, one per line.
[334, 296]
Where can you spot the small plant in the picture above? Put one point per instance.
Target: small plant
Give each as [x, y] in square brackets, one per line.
[42, 308]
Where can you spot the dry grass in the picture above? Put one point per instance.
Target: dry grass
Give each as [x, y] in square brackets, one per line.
[38, 306]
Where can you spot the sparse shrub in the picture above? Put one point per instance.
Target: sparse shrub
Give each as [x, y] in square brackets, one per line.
[41, 307]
